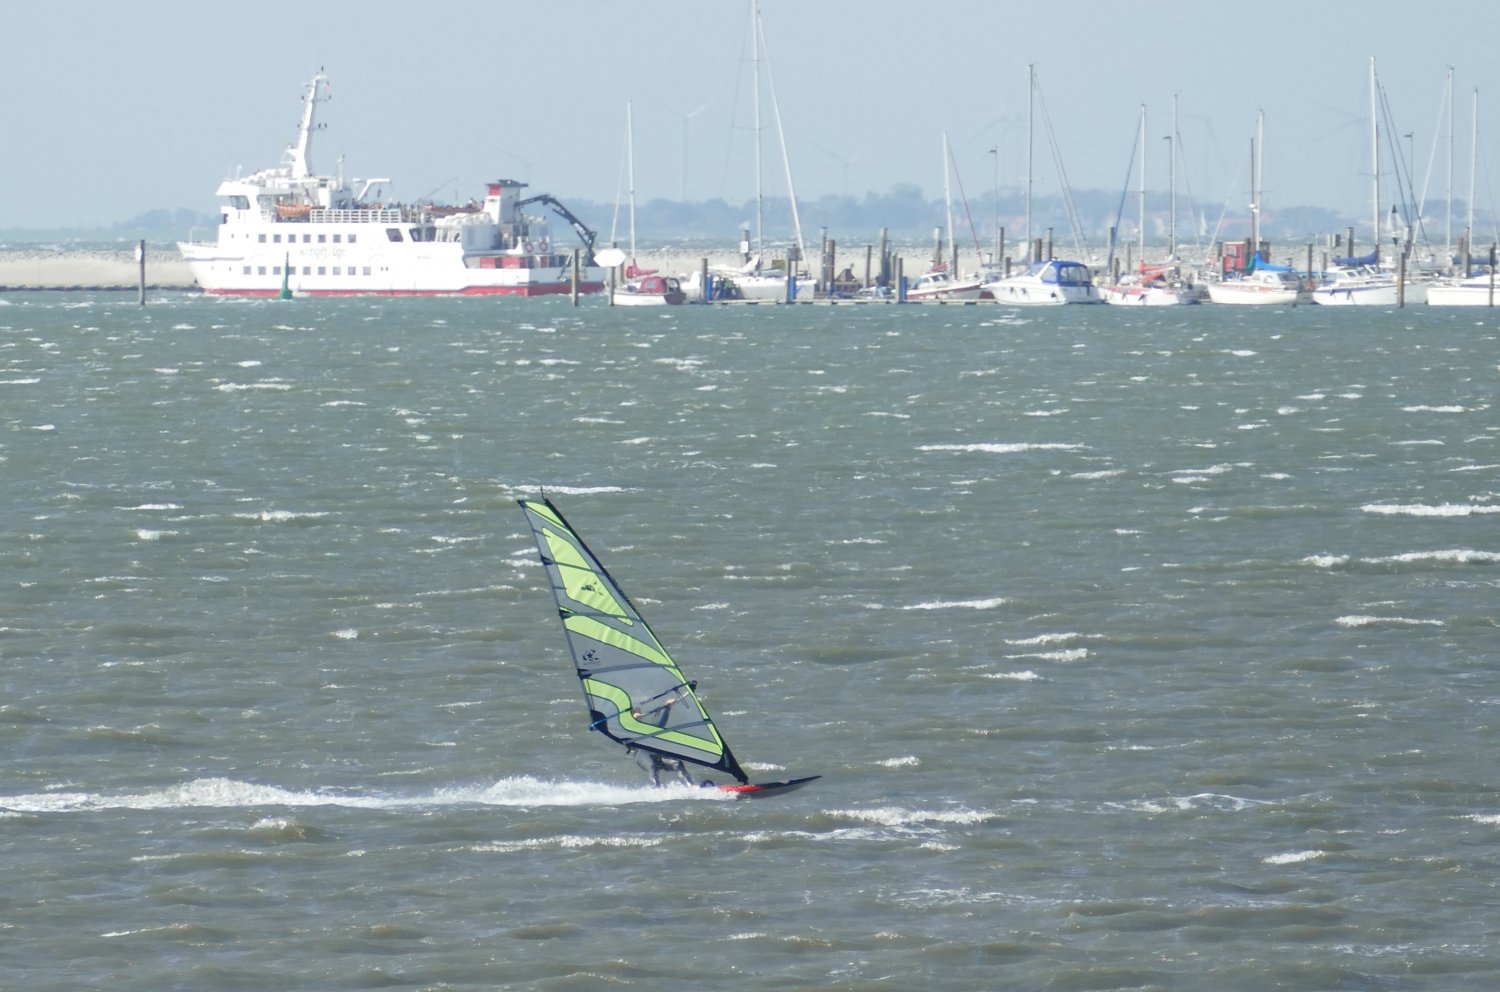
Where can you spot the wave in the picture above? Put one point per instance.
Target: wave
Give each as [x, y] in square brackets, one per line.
[223, 793]
[1450, 556]
[997, 448]
[958, 604]
[1428, 509]
[1364, 620]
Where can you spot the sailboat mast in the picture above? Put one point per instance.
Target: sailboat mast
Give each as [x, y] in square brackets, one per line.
[1142, 204]
[1473, 162]
[1375, 161]
[948, 201]
[760, 207]
[1255, 144]
[1449, 101]
[1030, 139]
[630, 173]
[786, 162]
[1172, 183]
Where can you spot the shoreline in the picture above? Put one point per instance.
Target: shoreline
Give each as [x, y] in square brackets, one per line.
[32, 269]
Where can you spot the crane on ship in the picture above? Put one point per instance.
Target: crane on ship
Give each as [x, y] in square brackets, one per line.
[585, 233]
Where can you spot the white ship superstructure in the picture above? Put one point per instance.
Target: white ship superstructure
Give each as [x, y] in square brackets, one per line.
[318, 235]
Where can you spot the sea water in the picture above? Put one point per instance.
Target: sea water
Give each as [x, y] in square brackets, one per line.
[1137, 649]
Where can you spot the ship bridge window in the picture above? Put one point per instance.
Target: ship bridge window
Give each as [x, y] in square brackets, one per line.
[239, 201]
[393, 233]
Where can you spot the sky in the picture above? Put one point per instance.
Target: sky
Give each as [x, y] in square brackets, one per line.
[112, 109]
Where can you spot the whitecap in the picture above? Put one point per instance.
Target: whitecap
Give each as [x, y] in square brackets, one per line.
[1062, 638]
[1364, 620]
[1291, 857]
[1026, 676]
[1428, 510]
[1072, 654]
[895, 816]
[998, 448]
[1458, 556]
[1325, 561]
[958, 604]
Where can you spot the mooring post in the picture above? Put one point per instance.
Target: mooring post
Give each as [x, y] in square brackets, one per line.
[708, 289]
[577, 257]
[140, 257]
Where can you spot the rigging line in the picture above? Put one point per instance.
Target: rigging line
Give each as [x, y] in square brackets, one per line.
[1124, 191]
[1080, 243]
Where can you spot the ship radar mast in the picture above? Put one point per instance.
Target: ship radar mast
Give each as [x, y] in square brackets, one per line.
[317, 91]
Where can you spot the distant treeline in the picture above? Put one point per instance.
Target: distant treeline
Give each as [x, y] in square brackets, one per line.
[904, 211]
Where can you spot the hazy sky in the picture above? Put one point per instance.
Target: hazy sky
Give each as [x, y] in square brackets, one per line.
[111, 109]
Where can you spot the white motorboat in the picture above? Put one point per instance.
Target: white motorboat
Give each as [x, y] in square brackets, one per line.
[1262, 287]
[1049, 283]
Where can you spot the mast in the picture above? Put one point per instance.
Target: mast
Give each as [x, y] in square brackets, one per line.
[948, 201]
[1256, 145]
[1473, 161]
[1142, 223]
[1172, 183]
[300, 153]
[786, 162]
[1449, 101]
[1030, 138]
[1375, 160]
[760, 206]
[630, 174]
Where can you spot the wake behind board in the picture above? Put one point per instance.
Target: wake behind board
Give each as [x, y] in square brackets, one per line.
[757, 790]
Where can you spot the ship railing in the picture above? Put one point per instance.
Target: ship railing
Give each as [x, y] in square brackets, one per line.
[384, 215]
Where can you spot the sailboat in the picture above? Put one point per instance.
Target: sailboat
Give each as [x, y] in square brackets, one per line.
[1151, 285]
[755, 279]
[1470, 289]
[642, 287]
[1046, 281]
[1247, 278]
[942, 282]
[635, 693]
[1362, 281]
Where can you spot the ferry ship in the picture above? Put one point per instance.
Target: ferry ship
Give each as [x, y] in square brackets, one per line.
[290, 230]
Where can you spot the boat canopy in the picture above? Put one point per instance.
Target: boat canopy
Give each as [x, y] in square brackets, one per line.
[1353, 262]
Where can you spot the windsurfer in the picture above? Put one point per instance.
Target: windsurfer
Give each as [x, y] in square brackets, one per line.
[658, 717]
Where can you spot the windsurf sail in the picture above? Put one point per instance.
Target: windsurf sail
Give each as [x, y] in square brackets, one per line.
[636, 694]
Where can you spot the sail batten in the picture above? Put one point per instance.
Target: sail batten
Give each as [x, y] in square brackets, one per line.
[635, 693]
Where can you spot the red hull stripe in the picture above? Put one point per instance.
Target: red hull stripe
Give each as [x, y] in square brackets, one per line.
[551, 289]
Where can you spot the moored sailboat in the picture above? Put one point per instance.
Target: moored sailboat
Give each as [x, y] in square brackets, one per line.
[1045, 282]
[1246, 277]
[642, 287]
[1364, 281]
[1158, 284]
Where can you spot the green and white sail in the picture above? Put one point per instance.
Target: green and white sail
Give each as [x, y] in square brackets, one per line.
[635, 692]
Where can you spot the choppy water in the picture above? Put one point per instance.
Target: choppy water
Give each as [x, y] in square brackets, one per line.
[1139, 649]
